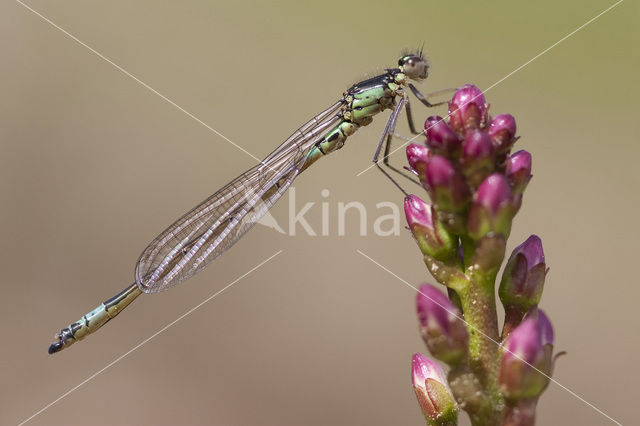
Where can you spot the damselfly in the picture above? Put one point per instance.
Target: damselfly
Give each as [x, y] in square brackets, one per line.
[212, 227]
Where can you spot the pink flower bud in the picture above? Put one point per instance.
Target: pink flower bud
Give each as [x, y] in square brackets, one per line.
[525, 361]
[468, 109]
[523, 277]
[478, 157]
[494, 193]
[440, 138]
[432, 391]
[442, 328]
[546, 329]
[518, 170]
[446, 185]
[502, 131]
[432, 238]
[418, 156]
[493, 208]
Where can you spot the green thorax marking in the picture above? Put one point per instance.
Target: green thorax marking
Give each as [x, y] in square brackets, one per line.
[362, 101]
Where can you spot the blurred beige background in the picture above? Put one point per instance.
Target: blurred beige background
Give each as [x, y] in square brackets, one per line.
[94, 165]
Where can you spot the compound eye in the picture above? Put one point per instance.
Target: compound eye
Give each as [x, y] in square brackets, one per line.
[415, 68]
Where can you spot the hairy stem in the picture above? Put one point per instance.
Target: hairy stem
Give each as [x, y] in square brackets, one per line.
[479, 307]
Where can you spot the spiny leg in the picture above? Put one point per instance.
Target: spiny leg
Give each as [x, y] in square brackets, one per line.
[423, 98]
[391, 123]
[390, 128]
[407, 105]
[413, 130]
[412, 127]
[387, 147]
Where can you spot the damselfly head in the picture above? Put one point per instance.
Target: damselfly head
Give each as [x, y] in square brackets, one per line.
[414, 66]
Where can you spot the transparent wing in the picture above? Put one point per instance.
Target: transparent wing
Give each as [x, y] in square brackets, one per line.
[210, 228]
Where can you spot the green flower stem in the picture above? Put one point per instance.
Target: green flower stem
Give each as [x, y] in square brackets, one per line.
[468, 250]
[482, 260]
[476, 291]
[478, 305]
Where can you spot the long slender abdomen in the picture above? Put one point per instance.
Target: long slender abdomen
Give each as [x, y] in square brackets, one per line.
[91, 322]
[331, 142]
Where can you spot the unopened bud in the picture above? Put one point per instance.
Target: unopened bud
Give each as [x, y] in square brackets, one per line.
[518, 170]
[432, 238]
[468, 109]
[440, 138]
[478, 157]
[446, 185]
[523, 277]
[502, 131]
[525, 364]
[433, 393]
[493, 208]
[441, 325]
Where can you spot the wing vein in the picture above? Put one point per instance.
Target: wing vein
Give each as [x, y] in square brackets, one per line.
[209, 229]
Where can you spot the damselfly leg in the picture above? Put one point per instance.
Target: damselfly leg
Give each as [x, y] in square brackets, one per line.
[387, 135]
[423, 98]
[390, 131]
[387, 147]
